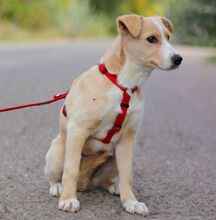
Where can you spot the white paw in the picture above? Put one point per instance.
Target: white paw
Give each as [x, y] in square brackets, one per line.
[114, 189]
[136, 207]
[69, 205]
[55, 189]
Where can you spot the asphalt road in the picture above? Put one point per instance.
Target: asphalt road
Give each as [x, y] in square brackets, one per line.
[175, 163]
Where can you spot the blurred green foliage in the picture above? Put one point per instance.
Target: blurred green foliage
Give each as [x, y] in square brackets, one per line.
[68, 17]
[112, 9]
[28, 14]
[212, 59]
[194, 20]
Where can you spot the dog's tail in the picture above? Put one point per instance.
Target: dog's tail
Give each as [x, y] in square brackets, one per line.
[88, 167]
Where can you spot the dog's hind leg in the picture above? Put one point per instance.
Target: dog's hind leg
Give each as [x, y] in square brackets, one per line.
[88, 166]
[106, 176]
[55, 160]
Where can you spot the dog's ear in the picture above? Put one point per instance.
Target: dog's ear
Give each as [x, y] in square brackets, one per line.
[168, 24]
[129, 24]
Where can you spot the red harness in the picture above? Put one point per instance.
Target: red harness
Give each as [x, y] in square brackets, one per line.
[124, 105]
[119, 119]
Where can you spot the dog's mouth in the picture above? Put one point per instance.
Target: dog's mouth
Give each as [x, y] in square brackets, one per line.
[157, 66]
[172, 67]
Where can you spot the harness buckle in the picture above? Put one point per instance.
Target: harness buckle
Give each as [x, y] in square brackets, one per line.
[124, 105]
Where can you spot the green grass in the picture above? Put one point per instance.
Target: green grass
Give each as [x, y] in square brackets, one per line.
[212, 59]
[11, 33]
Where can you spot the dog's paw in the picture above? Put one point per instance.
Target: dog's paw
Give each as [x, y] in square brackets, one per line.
[69, 205]
[114, 189]
[55, 189]
[136, 207]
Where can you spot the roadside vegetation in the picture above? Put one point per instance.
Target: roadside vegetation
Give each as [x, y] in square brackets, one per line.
[20, 20]
[212, 59]
[23, 19]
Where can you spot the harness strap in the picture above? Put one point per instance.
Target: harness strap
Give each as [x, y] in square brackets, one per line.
[124, 106]
[102, 68]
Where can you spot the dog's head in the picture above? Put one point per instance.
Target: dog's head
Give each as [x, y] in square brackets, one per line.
[146, 41]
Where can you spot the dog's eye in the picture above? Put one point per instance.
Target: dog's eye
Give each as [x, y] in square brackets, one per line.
[152, 39]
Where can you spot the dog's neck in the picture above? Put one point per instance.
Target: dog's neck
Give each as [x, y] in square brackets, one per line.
[114, 58]
[132, 75]
[117, 62]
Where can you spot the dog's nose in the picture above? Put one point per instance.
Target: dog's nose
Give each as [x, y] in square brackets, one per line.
[176, 60]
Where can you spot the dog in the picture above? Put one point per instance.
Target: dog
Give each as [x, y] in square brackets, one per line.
[99, 120]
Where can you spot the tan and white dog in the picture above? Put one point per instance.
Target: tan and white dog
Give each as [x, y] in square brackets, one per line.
[78, 161]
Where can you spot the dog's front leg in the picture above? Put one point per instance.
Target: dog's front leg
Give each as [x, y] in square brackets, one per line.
[76, 136]
[124, 156]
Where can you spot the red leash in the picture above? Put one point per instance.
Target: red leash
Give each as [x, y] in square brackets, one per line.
[54, 99]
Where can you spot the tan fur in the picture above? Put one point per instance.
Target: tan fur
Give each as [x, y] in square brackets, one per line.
[124, 156]
[115, 56]
[104, 176]
[92, 105]
[167, 24]
[106, 183]
[130, 23]
[87, 168]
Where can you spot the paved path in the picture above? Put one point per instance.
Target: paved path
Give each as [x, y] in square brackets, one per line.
[175, 167]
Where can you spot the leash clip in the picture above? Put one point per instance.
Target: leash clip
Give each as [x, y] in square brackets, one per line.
[60, 95]
[57, 95]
